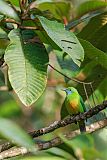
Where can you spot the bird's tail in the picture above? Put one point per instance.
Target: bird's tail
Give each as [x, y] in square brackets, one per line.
[82, 126]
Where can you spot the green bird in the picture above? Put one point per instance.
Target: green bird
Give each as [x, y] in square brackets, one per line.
[74, 105]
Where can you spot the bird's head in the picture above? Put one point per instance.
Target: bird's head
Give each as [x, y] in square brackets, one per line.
[70, 90]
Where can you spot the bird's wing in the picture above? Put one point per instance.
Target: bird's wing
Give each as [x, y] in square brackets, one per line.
[64, 111]
[82, 103]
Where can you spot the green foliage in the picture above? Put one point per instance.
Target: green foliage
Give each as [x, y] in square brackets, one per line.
[84, 146]
[94, 53]
[7, 111]
[21, 139]
[98, 38]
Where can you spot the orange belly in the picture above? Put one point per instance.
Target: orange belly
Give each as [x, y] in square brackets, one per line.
[73, 107]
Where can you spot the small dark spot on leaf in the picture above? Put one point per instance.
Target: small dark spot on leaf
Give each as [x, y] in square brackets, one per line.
[68, 41]
[69, 47]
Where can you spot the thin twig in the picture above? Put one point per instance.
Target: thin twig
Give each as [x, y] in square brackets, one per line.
[87, 95]
[69, 120]
[94, 94]
[43, 145]
[73, 79]
[8, 20]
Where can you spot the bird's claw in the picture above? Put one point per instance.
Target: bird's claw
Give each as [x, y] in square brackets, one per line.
[73, 115]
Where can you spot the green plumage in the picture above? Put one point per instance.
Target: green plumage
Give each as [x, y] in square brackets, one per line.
[74, 105]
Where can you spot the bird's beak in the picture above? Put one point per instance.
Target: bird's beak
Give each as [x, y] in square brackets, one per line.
[64, 89]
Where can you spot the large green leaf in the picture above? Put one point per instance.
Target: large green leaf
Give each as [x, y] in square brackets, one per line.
[5, 9]
[95, 54]
[89, 6]
[96, 31]
[27, 64]
[66, 40]
[45, 39]
[94, 68]
[58, 9]
[13, 132]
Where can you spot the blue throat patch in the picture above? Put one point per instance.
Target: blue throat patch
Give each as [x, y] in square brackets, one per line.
[68, 92]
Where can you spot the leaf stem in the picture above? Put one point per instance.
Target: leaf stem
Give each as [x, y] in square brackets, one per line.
[73, 79]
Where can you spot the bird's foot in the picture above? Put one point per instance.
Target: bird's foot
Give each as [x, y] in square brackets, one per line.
[72, 116]
[75, 122]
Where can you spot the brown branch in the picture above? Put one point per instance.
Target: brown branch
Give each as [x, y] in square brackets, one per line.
[8, 20]
[30, 27]
[70, 120]
[16, 151]
[3, 88]
[73, 79]
[57, 141]
[5, 146]
[20, 26]
[13, 152]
